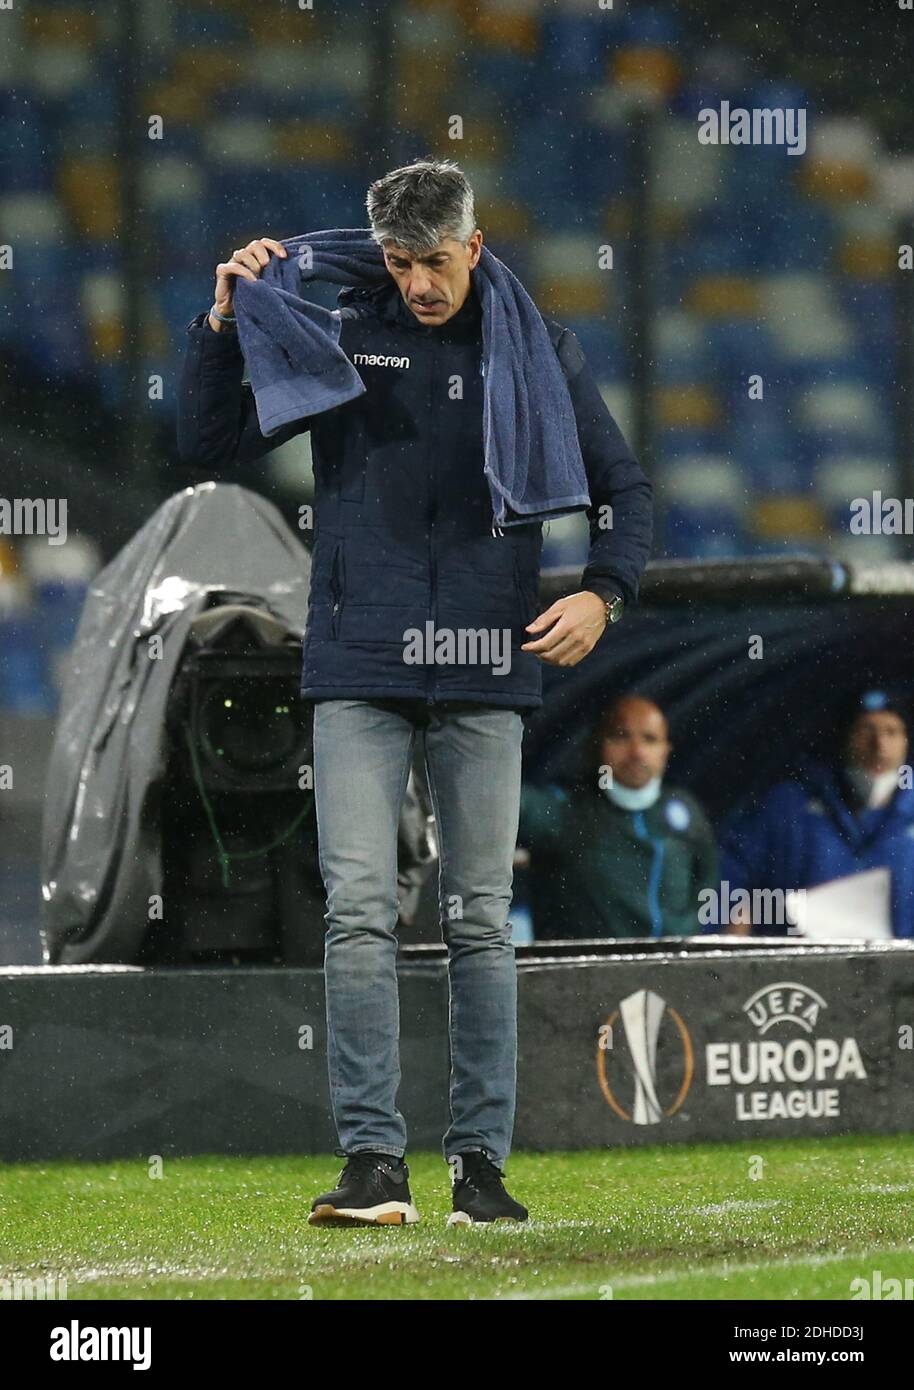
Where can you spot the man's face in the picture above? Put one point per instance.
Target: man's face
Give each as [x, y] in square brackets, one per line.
[435, 285]
[878, 742]
[635, 743]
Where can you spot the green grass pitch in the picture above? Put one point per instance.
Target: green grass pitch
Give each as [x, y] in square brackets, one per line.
[668, 1222]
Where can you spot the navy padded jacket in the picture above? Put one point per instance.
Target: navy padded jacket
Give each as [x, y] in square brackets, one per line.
[404, 532]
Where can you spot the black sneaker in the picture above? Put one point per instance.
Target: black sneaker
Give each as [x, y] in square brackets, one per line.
[479, 1192]
[372, 1190]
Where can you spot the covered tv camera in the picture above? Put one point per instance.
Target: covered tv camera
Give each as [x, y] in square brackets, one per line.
[239, 858]
[179, 812]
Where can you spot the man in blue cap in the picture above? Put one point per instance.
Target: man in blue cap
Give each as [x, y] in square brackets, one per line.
[834, 820]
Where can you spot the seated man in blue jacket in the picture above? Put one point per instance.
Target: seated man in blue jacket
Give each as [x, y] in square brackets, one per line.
[621, 854]
[405, 541]
[833, 821]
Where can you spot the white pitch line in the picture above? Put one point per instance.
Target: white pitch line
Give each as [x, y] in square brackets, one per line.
[735, 1204]
[634, 1281]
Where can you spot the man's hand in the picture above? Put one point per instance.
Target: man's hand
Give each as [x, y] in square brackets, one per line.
[247, 263]
[575, 623]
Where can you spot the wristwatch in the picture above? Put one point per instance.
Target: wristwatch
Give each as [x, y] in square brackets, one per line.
[614, 606]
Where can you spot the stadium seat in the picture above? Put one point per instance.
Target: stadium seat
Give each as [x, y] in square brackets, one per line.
[841, 477]
[705, 506]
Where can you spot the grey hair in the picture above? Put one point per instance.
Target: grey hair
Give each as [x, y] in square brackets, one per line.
[419, 204]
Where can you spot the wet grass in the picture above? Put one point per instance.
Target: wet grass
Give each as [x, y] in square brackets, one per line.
[676, 1222]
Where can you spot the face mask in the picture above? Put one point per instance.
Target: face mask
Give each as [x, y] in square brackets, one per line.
[635, 798]
[873, 788]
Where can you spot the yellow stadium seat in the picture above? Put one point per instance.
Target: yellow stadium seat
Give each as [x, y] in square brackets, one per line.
[800, 518]
[616, 221]
[9, 563]
[421, 92]
[687, 407]
[182, 100]
[517, 30]
[315, 142]
[89, 188]
[723, 297]
[834, 181]
[652, 70]
[577, 296]
[208, 69]
[61, 26]
[507, 219]
[867, 258]
[106, 338]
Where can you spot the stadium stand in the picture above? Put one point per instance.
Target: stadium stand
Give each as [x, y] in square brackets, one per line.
[762, 264]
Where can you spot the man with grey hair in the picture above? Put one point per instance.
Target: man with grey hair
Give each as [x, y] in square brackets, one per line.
[407, 558]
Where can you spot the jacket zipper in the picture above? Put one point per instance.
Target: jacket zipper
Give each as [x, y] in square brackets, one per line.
[336, 588]
[496, 529]
[656, 875]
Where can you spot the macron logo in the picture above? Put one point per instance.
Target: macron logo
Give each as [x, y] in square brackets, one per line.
[373, 359]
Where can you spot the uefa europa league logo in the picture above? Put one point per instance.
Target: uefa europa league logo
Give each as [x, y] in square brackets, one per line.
[642, 1015]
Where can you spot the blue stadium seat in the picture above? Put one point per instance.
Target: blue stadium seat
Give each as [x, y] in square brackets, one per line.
[180, 297]
[842, 476]
[602, 344]
[578, 41]
[649, 26]
[28, 140]
[25, 679]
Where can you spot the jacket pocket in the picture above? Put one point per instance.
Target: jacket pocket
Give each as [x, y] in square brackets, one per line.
[337, 589]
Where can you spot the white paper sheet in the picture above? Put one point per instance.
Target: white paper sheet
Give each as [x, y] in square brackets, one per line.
[858, 905]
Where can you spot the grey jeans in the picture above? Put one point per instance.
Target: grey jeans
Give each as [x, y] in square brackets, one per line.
[362, 756]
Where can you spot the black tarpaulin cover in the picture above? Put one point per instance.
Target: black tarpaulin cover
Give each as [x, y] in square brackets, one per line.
[100, 858]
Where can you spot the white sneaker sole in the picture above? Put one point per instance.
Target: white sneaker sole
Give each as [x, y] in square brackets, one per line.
[463, 1218]
[385, 1214]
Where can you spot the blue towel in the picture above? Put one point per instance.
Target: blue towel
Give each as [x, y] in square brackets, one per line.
[296, 368]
